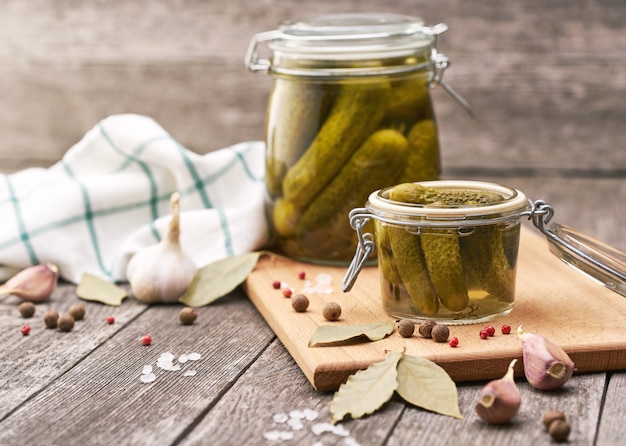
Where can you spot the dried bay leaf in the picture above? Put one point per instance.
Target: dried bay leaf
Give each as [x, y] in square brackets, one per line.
[367, 390]
[218, 279]
[95, 289]
[424, 384]
[328, 334]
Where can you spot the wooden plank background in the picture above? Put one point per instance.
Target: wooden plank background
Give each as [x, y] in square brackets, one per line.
[543, 77]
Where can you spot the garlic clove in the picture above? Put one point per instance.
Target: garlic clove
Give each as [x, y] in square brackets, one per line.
[500, 399]
[546, 365]
[161, 273]
[35, 283]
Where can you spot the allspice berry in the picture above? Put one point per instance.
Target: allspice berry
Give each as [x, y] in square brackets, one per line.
[406, 328]
[331, 311]
[65, 323]
[300, 303]
[187, 316]
[440, 333]
[77, 312]
[26, 309]
[552, 415]
[559, 430]
[50, 318]
[426, 328]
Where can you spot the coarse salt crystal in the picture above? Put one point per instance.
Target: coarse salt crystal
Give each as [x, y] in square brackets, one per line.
[295, 423]
[190, 373]
[320, 428]
[146, 369]
[280, 418]
[147, 378]
[340, 431]
[349, 441]
[271, 435]
[183, 359]
[298, 414]
[310, 414]
[285, 435]
[324, 279]
[194, 356]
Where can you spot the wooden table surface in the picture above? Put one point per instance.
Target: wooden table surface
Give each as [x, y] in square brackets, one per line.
[546, 80]
[84, 387]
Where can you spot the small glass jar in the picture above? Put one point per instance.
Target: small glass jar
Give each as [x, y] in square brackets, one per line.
[448, 259]
[350, 112]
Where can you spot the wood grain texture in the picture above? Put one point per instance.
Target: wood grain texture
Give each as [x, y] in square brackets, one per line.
[542, 78]
[586, 324]
[94, 391]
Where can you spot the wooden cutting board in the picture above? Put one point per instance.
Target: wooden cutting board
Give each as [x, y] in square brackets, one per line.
[552, 299]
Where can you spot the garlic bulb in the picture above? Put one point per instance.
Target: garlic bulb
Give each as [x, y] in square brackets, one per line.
[162, 272]
[546, 365]
[35, 283]
[500, 399]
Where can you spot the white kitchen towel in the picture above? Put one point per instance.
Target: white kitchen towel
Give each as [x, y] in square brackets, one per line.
[109, 196]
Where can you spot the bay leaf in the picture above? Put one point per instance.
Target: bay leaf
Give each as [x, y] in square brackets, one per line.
[219, 278]
[425, 384]
[366, 390]
[95, 289]
[327, 334]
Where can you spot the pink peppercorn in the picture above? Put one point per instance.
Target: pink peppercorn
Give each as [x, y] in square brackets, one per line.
[301, 275]
[146, 340]
[491, 330]
[506, 329]
[484, 334]
[454, 342]
[110, 320]
[287, 292]
[276, 284]
[25, 330]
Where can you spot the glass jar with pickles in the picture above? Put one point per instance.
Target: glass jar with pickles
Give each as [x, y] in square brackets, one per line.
[447, 250]
[350, 112]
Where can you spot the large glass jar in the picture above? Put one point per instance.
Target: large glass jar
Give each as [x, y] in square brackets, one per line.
[350, 112]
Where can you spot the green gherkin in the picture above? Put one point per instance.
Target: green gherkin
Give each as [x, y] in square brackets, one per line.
[323, 227]
[409, 262]
[386, 263]
[355, 114]
[442, 254]
[409, 102]
[487, 263]
[423, 163]
[296, 111]
[418, 194]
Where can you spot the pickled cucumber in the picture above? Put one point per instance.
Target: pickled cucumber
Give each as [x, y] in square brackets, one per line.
[423, 163]
[487, 263]
[409, 103]
[410, 264]
[356, 113]
[323, 227]
[418, 194]
[386, 263]
[299, 109]
[442, 255]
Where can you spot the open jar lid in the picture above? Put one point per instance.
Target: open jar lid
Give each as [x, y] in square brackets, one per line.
[595, 259]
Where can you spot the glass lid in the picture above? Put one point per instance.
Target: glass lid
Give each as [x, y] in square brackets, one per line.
[592, 257]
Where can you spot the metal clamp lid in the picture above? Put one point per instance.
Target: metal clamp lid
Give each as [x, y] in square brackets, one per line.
[593, 258]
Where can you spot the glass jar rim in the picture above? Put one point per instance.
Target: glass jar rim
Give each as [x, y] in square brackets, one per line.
[515, 203]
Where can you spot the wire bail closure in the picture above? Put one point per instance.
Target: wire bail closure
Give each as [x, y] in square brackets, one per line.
[359, 217]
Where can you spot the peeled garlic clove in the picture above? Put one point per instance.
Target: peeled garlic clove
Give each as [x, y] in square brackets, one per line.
[546, 365]
[35, 283]
[162, 272]
[500, 399]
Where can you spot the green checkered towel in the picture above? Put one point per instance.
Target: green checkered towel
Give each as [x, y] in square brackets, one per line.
[109, 196]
